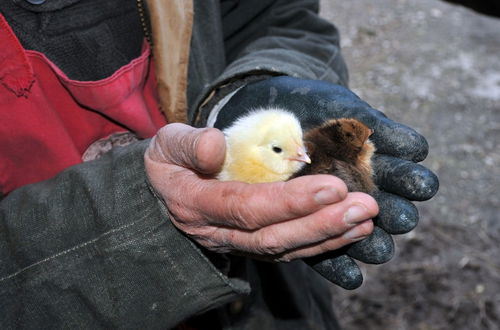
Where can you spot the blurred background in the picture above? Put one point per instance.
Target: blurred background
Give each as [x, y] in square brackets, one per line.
[434, 66]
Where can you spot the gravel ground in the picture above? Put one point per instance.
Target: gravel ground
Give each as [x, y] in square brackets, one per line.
[435, 67]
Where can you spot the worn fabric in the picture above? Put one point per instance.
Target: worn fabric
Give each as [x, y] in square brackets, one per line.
[99, 36]
[93, 248]
[49, 120]
[172, 23]
[267, 37]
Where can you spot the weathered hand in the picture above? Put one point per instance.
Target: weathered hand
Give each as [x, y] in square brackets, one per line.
[278, 221]
[397, 175]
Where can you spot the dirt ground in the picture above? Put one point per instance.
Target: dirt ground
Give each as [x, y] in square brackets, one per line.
[435, 67]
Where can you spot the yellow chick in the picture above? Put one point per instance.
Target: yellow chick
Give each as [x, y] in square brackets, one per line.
[264, 146]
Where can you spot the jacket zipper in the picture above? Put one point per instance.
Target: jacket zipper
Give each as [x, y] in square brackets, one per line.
[144, 22]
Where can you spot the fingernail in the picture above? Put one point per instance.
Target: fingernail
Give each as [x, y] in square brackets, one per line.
[355, 234]
[355, 214]
[327, 196]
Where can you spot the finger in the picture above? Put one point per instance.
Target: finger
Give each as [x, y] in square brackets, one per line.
[199, 149]
[342, 224]
[329, 101]
[398, 140]
[397, 215]
[377, 248]
[252, 206]
[358, 233]
[389, 137]
[334, 101]
[337, 268]
[404, 178]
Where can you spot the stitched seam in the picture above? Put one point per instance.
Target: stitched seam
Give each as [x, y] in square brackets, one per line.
[218, 274]
[328, 68]
[62, 253]
[26, 66]
[105, 81]
[4, 25]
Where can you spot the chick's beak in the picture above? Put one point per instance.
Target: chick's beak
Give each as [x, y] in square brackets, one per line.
[301, 155]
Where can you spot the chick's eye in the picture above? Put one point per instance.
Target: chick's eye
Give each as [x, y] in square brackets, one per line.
[277, 150]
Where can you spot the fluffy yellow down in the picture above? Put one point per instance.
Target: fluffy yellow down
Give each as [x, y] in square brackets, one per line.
[264, 146]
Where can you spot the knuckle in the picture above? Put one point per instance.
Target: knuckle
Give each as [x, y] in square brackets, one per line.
[332, 223]
[327, 229]
[182, 215]
[212, 245]
[293, 202]
[283, 258]
[206, 237]
[331, 245]
[198, 233]
[239, 211]
[269, 244]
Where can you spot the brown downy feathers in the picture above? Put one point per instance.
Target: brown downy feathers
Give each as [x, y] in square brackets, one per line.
[341, 147]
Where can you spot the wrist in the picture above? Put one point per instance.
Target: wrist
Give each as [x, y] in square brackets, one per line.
[215, 101]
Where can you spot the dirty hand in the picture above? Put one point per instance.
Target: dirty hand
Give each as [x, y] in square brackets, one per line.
[398, 176]
[273, 221]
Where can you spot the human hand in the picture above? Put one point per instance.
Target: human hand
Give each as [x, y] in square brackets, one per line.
[397, 175]
[278, 221]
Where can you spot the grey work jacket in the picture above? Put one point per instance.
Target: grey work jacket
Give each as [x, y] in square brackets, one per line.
[93, 248]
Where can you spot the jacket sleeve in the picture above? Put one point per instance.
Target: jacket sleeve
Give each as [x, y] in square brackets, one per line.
[93, 248]
[274, 37]
[284, 37]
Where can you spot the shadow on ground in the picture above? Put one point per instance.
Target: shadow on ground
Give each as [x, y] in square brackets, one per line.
[433, 66]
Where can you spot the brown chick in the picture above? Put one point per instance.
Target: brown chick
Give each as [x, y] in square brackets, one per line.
[341, 147]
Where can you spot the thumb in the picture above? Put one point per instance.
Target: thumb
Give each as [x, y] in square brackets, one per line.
[200, 149]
